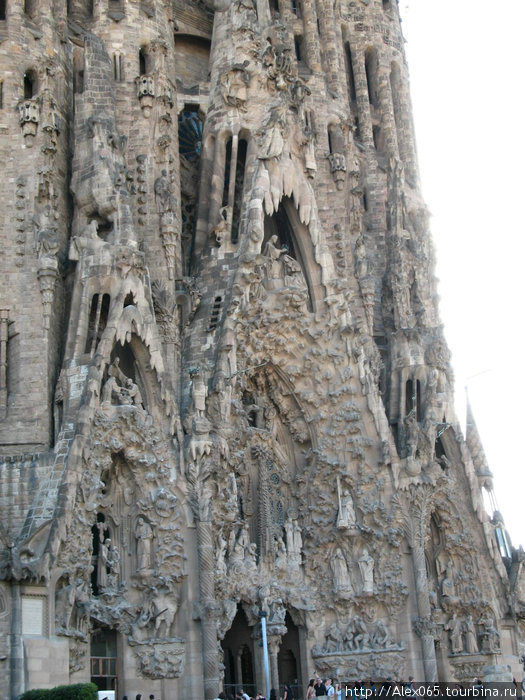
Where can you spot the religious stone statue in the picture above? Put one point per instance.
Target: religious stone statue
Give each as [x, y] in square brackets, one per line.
[164, 197]
[102, 564]
[489, 634]
[144, 536]
[342, 583]
[346, 515]
[361, 635]
[455, 633]
[199, 392]
[366, 567]
[471, 639]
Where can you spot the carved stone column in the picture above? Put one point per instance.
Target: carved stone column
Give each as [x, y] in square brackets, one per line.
[201, 505]
[16, 644]
[4, 335]
[274, 644]
[415, 514]
[424, 613]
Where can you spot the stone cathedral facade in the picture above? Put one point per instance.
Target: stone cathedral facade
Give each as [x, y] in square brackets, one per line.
[224, 388]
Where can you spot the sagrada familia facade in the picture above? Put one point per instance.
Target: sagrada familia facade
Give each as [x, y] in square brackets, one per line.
[225, 395]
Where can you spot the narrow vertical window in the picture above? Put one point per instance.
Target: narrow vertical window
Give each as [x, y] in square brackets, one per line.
[350, 72]
[1, 94]
[239, 187]
[142, 61]
[30, 8]
[371, 76]
[30, 84]
[3, 8]
[227, 172]
[298, 40]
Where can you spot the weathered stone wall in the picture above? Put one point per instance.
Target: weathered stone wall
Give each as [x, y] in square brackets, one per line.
[227, 385]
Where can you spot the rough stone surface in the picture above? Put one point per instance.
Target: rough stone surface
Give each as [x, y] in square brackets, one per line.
[224, 387]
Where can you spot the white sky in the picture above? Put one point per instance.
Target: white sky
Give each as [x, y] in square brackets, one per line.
[467, 75]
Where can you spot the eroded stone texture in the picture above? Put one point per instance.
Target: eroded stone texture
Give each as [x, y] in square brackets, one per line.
[224, 388]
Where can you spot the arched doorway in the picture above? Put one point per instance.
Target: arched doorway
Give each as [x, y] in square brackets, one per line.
[288, 659]
[238, 659]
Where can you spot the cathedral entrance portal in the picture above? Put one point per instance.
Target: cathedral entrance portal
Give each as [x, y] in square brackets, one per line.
[104, 659]
[288, 659]
[239, 656]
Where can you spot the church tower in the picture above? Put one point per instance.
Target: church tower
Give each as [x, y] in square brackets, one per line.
[226, 401]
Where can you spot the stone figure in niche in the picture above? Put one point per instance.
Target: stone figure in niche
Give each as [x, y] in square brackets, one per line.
[272, 143]
[489, 635]
[360, 261]
[412, 434]
[471, 639]
[47, 238]
[103, 564]
[220, 231]
[453, 627]
[221, 568]
[342, 583]
[64, 603]
[448, 588]
[346, 519]
[281, 269]
[366, 567]
[199, 392]
[121, 388]
[164, 197]
[144, 536]
[281, 560]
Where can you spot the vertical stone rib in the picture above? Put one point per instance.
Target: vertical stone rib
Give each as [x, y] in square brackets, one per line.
[208, 620]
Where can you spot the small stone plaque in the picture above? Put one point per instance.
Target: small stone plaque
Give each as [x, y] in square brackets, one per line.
[32, 616]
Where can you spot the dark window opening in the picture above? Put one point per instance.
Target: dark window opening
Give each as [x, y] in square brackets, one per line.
[98, 318]
[274, 7]
[129, 300]
[413, 398]
[3, 8]
[350, 72]
[371, 76]
[386, 5]
[365, 202]
[1, 95]
[294, 6]
[30, 8]
[330, 143]
[239, 187]
[227, 173]
[297, 45]
[378, 138]
[143, 63]
[215, 314]
[30, 84]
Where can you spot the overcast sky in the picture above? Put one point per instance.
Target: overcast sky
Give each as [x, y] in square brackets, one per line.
[466, 62]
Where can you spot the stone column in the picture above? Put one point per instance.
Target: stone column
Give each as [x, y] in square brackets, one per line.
[311, 36]
[361, 93]
[201, 504]
[4, 335]
[274, 644]
[424, 613]
[16, 661]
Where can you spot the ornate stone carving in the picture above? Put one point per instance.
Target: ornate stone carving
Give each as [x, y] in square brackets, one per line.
[29, 118]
